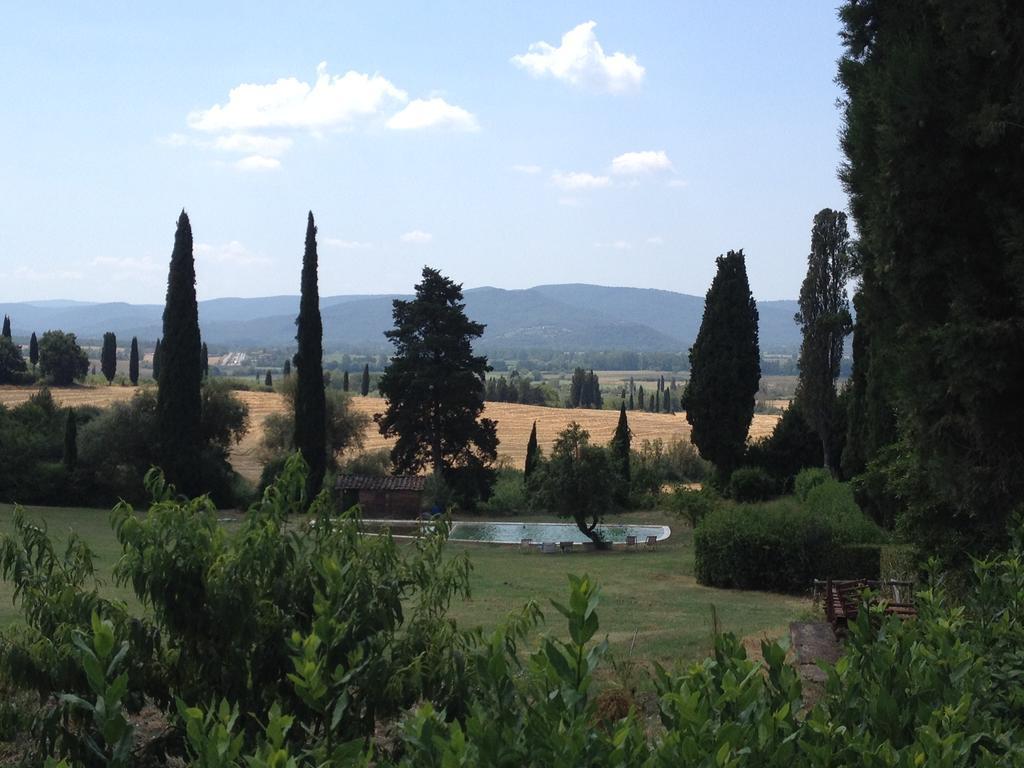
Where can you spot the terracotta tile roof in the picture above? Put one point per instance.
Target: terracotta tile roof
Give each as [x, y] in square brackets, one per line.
[386, 483]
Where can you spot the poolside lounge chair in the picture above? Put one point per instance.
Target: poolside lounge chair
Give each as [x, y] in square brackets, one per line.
[565, 546]
[549, 548]
[525, 545]
[631, 542]
[651, 543]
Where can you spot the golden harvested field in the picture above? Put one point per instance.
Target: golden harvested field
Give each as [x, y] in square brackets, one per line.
[514, 421]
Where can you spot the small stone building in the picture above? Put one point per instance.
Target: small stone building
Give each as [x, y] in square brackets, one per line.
[392, 496]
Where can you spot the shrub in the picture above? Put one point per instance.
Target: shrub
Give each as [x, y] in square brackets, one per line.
[509, 496]
[809, 478]
[785, 545]
[372, 463]
[751, 484]
[693, 505]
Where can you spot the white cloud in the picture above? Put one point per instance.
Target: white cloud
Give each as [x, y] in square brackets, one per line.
[252, 144]
[527, 169]
[335, 242]
[580, 60]
[258, 163]
[579, 180]
[331, 101]
[232, 252]
[655, 240]
[431, 113]
[633, 163]
[678, 183]
[417, 236]
[618, 245]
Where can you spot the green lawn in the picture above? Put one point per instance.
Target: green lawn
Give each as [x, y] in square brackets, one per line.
[651, 593]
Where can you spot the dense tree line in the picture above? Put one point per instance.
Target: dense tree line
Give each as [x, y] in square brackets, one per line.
[517, 389]
[933, 112]
[584, 390]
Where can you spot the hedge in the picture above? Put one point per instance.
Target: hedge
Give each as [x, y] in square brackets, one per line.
[784, 545]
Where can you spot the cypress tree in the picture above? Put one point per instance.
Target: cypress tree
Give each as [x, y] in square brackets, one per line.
[286, 369]
[725, 368]
[310, 400]
[204, 360]
[632, 405]
[108, 356]
[133, 362]
[156, 361]
[179, 403]
[621, 443]
[344, 382]
[6, 332]
[532, 453]
[268, 380]
[33, 351]
[364, 388]
[640, 397]
[70, 457]
[824, 319]
[666, 401]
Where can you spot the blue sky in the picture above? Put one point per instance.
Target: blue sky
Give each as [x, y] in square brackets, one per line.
[509, 144]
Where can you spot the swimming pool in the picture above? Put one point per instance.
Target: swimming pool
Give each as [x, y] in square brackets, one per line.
[513, 533]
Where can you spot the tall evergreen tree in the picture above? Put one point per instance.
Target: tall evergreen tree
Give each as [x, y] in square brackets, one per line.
[6, 332]
[666, 402]
[725, 368]
[156, 361]
[576, 387]
[108, 356]
[204, 360]
[33, 351]
[824, 319]
[640, 397]
[620, 444]
[133, 362]
[179, 403]
[631, 403]
[268, 380]
[934, 169]
[310, 400]
[344, 381]
[364, 387]
[532, 453]
[434, 389]
[70, 457]
[286, 369]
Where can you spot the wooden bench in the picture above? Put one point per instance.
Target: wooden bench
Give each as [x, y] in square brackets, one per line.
[843, 601]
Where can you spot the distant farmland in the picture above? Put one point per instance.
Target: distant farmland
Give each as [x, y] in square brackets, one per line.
[514, 421]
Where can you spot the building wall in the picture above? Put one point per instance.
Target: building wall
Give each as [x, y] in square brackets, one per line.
[390, 504]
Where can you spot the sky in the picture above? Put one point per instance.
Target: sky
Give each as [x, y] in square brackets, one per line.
[507, 144]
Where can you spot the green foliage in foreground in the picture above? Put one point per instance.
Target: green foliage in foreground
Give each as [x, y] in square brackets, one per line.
[940, 690]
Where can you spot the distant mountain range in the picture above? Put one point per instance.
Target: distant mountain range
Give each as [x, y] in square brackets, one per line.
[572, 317]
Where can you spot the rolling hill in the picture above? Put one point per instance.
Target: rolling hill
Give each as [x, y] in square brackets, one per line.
[570, 317]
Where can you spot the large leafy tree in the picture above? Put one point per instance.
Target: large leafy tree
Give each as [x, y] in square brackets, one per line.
[935, 168]
[825, 321]
[725, 368]
[61, 359]
[11, 361]
[108, 356]
[179, 402]
[434, 388]
[580, 480]
[310, 405]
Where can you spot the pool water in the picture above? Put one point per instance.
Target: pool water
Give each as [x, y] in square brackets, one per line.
[513, 533]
